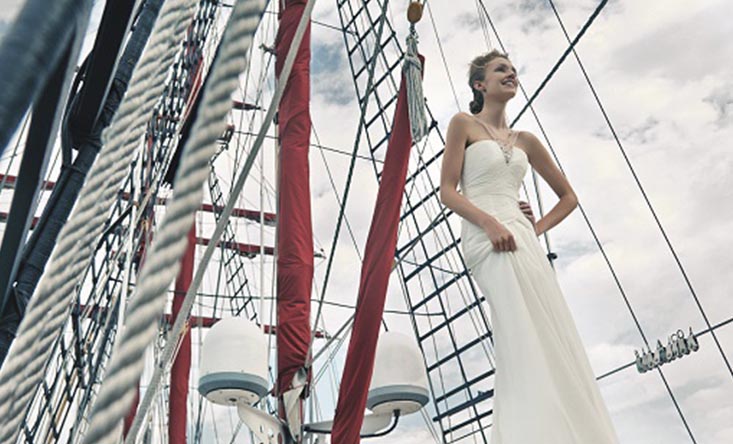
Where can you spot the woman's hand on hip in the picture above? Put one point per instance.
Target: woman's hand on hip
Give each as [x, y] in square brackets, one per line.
[527, 210]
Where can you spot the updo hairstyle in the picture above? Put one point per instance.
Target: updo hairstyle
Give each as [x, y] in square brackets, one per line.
[477, 71]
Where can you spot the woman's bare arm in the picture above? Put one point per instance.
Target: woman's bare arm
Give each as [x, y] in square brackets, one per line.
[450, 174]
[541, 161]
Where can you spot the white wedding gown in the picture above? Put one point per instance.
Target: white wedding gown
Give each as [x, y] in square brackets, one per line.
[544, 391]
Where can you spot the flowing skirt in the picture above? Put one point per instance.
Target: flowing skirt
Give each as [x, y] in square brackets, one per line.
[544, 390]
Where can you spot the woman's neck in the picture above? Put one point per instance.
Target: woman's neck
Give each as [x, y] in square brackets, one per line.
[494, 114]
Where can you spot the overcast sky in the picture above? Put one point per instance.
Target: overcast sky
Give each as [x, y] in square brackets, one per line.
[663, 74]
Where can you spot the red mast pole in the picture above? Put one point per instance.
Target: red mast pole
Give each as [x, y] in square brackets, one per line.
[177, 414]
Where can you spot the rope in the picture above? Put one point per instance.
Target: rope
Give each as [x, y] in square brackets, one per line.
[163, 261]
[412, 70]
[47, 310]
[647, 201]
[33, 45]
[528, 105]
[342, 208]
[442, 55]
[178, 327]
[176, 332]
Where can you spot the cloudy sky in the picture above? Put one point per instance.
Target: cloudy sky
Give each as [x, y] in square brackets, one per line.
[662, 73]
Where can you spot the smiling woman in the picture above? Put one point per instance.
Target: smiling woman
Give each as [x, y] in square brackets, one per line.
[477, 73]
[542, 370]
[625, 90]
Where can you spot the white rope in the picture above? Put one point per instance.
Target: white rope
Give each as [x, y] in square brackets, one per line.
[412, 70]
[177, 330]
[163, 260]
[48, 308]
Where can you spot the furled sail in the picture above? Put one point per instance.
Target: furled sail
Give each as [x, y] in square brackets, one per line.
[295, 233]
[376, 268]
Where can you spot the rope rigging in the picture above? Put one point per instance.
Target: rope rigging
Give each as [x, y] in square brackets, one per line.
[39, 56]
[162, 264]
[647, 201]
[528, 105]
[347, 186]
[244, 27]
[50, 305]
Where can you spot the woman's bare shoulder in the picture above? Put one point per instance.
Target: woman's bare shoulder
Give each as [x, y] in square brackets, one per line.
[461, 116]
[524, 134]
[460, 121]
[527, 140]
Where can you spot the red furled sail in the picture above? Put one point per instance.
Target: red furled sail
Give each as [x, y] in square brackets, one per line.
[295, 233]
[375, 271]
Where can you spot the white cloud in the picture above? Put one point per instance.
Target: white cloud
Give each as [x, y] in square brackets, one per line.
[661, 76]
[662, 71]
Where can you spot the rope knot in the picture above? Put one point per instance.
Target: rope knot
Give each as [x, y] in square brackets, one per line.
[412, 70]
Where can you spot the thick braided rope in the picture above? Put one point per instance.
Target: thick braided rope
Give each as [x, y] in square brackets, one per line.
[47, 310]
[77, 241]
[176, 332]
[29, 51]
[163, 260]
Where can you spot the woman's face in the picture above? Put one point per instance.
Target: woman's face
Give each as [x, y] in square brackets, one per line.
[500, 80]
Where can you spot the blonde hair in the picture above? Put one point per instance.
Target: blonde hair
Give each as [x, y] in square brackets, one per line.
[477, 71]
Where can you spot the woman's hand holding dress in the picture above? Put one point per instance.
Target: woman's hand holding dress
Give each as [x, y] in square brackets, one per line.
[501, 238]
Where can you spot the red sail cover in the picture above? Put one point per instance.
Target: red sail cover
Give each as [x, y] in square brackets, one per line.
[182, 365]
[295, 233]
[375, 271]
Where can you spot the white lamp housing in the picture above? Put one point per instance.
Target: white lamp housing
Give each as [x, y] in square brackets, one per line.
[234, 363]
[399, 381]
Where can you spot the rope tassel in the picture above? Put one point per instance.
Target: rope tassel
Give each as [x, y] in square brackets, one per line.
[412, 70]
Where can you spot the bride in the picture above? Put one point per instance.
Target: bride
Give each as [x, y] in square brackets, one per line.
[544, 389]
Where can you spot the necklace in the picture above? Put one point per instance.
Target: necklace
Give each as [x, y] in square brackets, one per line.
[505, 145]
